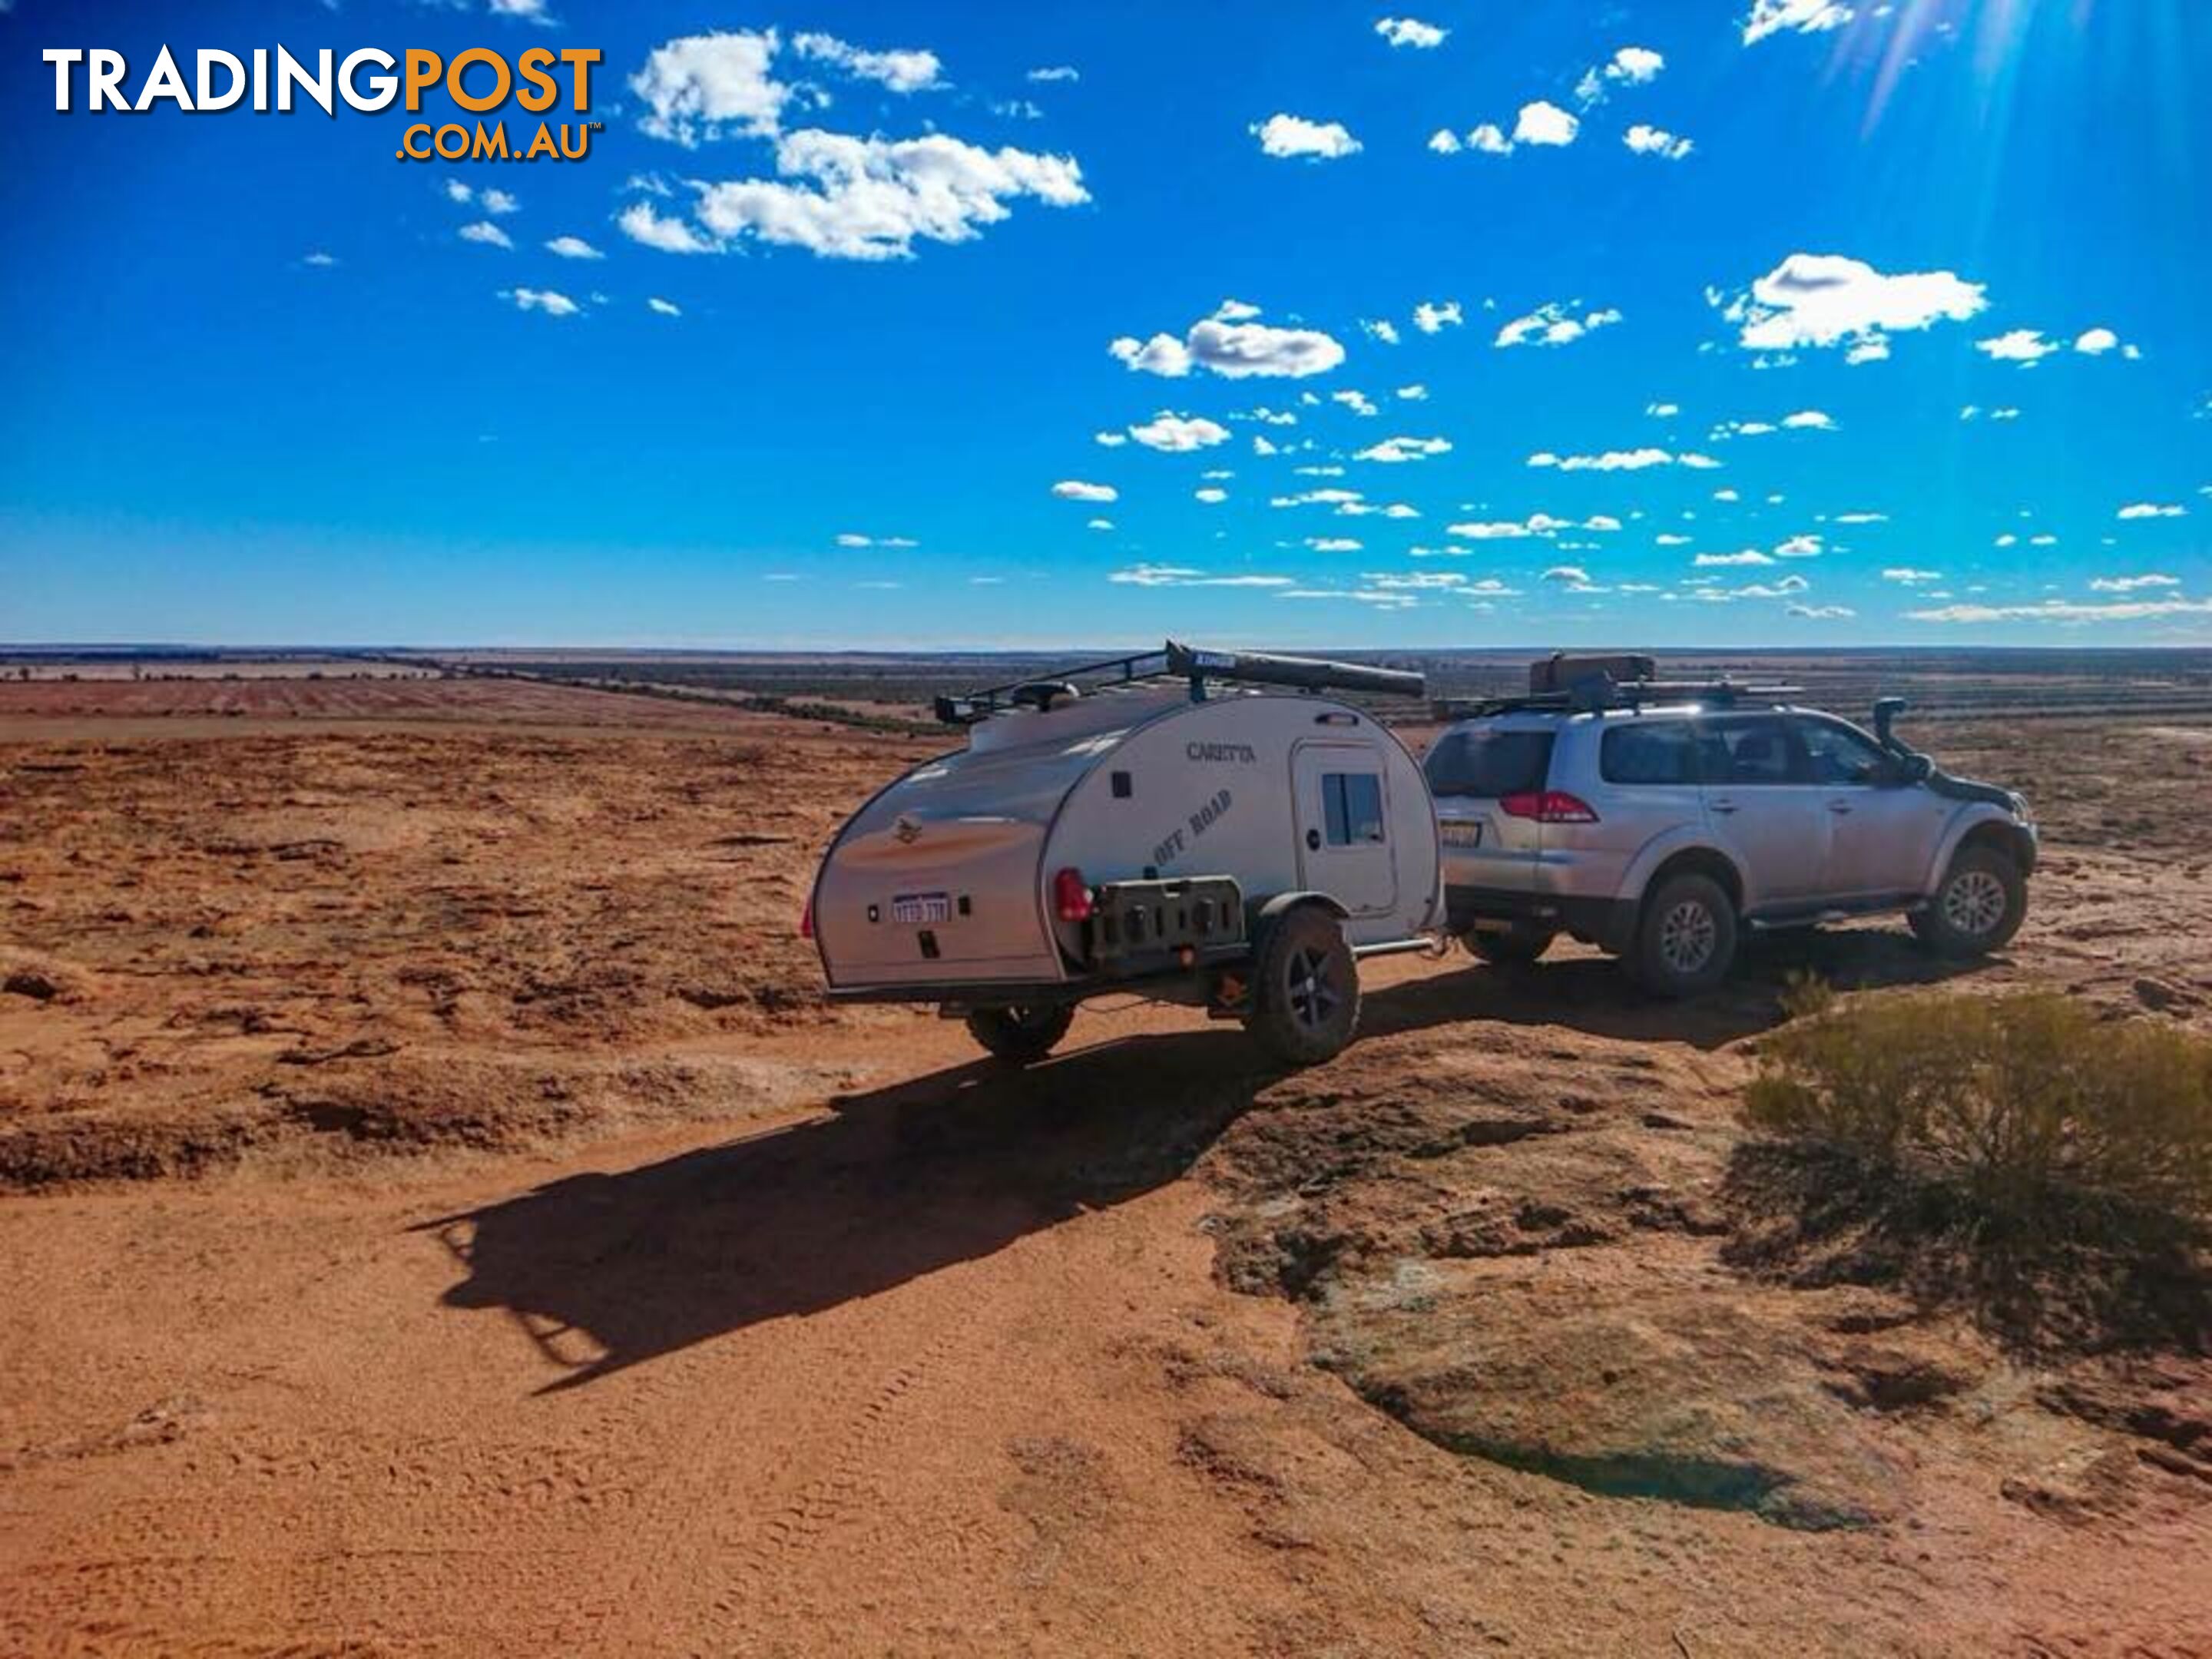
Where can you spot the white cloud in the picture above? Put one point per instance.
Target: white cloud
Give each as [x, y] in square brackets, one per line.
[1819, 612]
[640, 223]
[2024, 346]
[497, 201]
[701, 86]
[1553, 324]
[1490, 138]
[870, 198]
[1821, 300]
[573, 247]
[532, 9]
[1074, 489]
[1620, 460]
[1411, 32]
[1805, 16]
[1542, 123]
[1750, 556]
[1536, 525]
[665, 307]
[1573, 574]
[1444, 141]
[1213, 495]
[1412, 394]
[487, 233]
[1861, 517]
[1647, 140]
[1332, 544]
[319, 260]
[1178, 434]
[1055, 72]
[1379, 328]
[2130, 584]
[2095, 342]
[458, 191]
[1394, 451]
[532, 298]
[2063, 610]
[1225, 346]
[1099, 523]
[1355, 401]
[1111, 439]
[1906, 576]
[1339, 498]
[2153, 510]
[1662, 412]
[905, 71]
[1288, 136]
[1432, 316]
[1799, 547]
[1634, 66]
[1174, 575]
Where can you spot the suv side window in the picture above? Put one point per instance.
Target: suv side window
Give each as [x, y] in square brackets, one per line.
[1839, 755]
[1657, 751]
[1748, 752]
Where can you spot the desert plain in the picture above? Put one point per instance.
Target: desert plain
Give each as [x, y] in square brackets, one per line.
[439, 1214]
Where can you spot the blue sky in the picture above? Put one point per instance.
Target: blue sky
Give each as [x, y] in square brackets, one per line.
[1756, 322]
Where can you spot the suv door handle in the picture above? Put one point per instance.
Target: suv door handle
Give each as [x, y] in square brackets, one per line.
[1721, 805]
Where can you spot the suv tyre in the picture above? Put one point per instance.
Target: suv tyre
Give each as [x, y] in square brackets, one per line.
[1686, 937]
[1514, 949]
[1976, 909]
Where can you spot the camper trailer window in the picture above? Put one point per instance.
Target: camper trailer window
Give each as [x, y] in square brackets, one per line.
[1485, 765]
[1352, 803]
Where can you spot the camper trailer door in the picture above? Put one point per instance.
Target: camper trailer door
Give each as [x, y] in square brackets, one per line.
[1341, 791]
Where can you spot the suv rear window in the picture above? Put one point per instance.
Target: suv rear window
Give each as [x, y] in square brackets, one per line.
[1663, 751]
[1488, 764]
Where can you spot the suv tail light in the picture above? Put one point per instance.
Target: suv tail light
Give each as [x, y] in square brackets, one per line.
[1071, 899]
[1547, 806]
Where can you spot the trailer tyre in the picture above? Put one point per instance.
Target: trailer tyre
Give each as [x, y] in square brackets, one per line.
[1021, 1035]
[1976, 907]
[1305, 988]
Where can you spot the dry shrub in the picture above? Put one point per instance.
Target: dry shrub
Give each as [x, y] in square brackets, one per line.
[2030, 1103]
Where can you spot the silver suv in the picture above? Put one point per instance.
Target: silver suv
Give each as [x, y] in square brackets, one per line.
[1659, 830]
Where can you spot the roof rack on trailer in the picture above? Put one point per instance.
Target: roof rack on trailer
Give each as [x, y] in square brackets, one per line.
[1179, 661]
[1603, 692]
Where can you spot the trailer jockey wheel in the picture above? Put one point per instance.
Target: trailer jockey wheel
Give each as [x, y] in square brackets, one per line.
[1305, 988]
[1021, 1035]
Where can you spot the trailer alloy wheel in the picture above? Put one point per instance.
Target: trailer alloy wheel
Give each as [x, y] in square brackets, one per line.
[1023, 1035]
[1976, 907]
[1305, 989]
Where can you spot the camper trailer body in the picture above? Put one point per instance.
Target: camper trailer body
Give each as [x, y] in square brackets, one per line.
[1143, 837]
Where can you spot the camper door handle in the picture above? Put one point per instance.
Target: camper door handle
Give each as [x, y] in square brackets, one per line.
[1313, 841]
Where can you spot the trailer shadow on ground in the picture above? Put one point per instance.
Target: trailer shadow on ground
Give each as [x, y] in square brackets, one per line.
[894, 1183]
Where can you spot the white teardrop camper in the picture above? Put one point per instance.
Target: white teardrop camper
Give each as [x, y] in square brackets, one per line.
[1195, 826]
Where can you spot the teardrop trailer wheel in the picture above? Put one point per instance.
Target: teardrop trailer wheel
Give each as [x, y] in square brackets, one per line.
[1305, 988]
[1021, 1035]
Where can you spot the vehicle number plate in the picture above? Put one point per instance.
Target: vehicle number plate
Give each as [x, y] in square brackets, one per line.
[921, 906]
[1462, 835]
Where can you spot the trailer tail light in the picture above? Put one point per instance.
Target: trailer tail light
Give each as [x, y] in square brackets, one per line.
[1071, 899]
[1547, 806]
[806, 919]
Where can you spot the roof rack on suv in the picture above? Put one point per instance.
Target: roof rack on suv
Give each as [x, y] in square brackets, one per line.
[1179, 661]
[1592, 692]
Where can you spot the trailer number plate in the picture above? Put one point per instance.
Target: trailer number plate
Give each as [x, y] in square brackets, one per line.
[1461, 835]
[921, 906]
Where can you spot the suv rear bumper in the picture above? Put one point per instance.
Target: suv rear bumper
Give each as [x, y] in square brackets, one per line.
[1609, 923]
